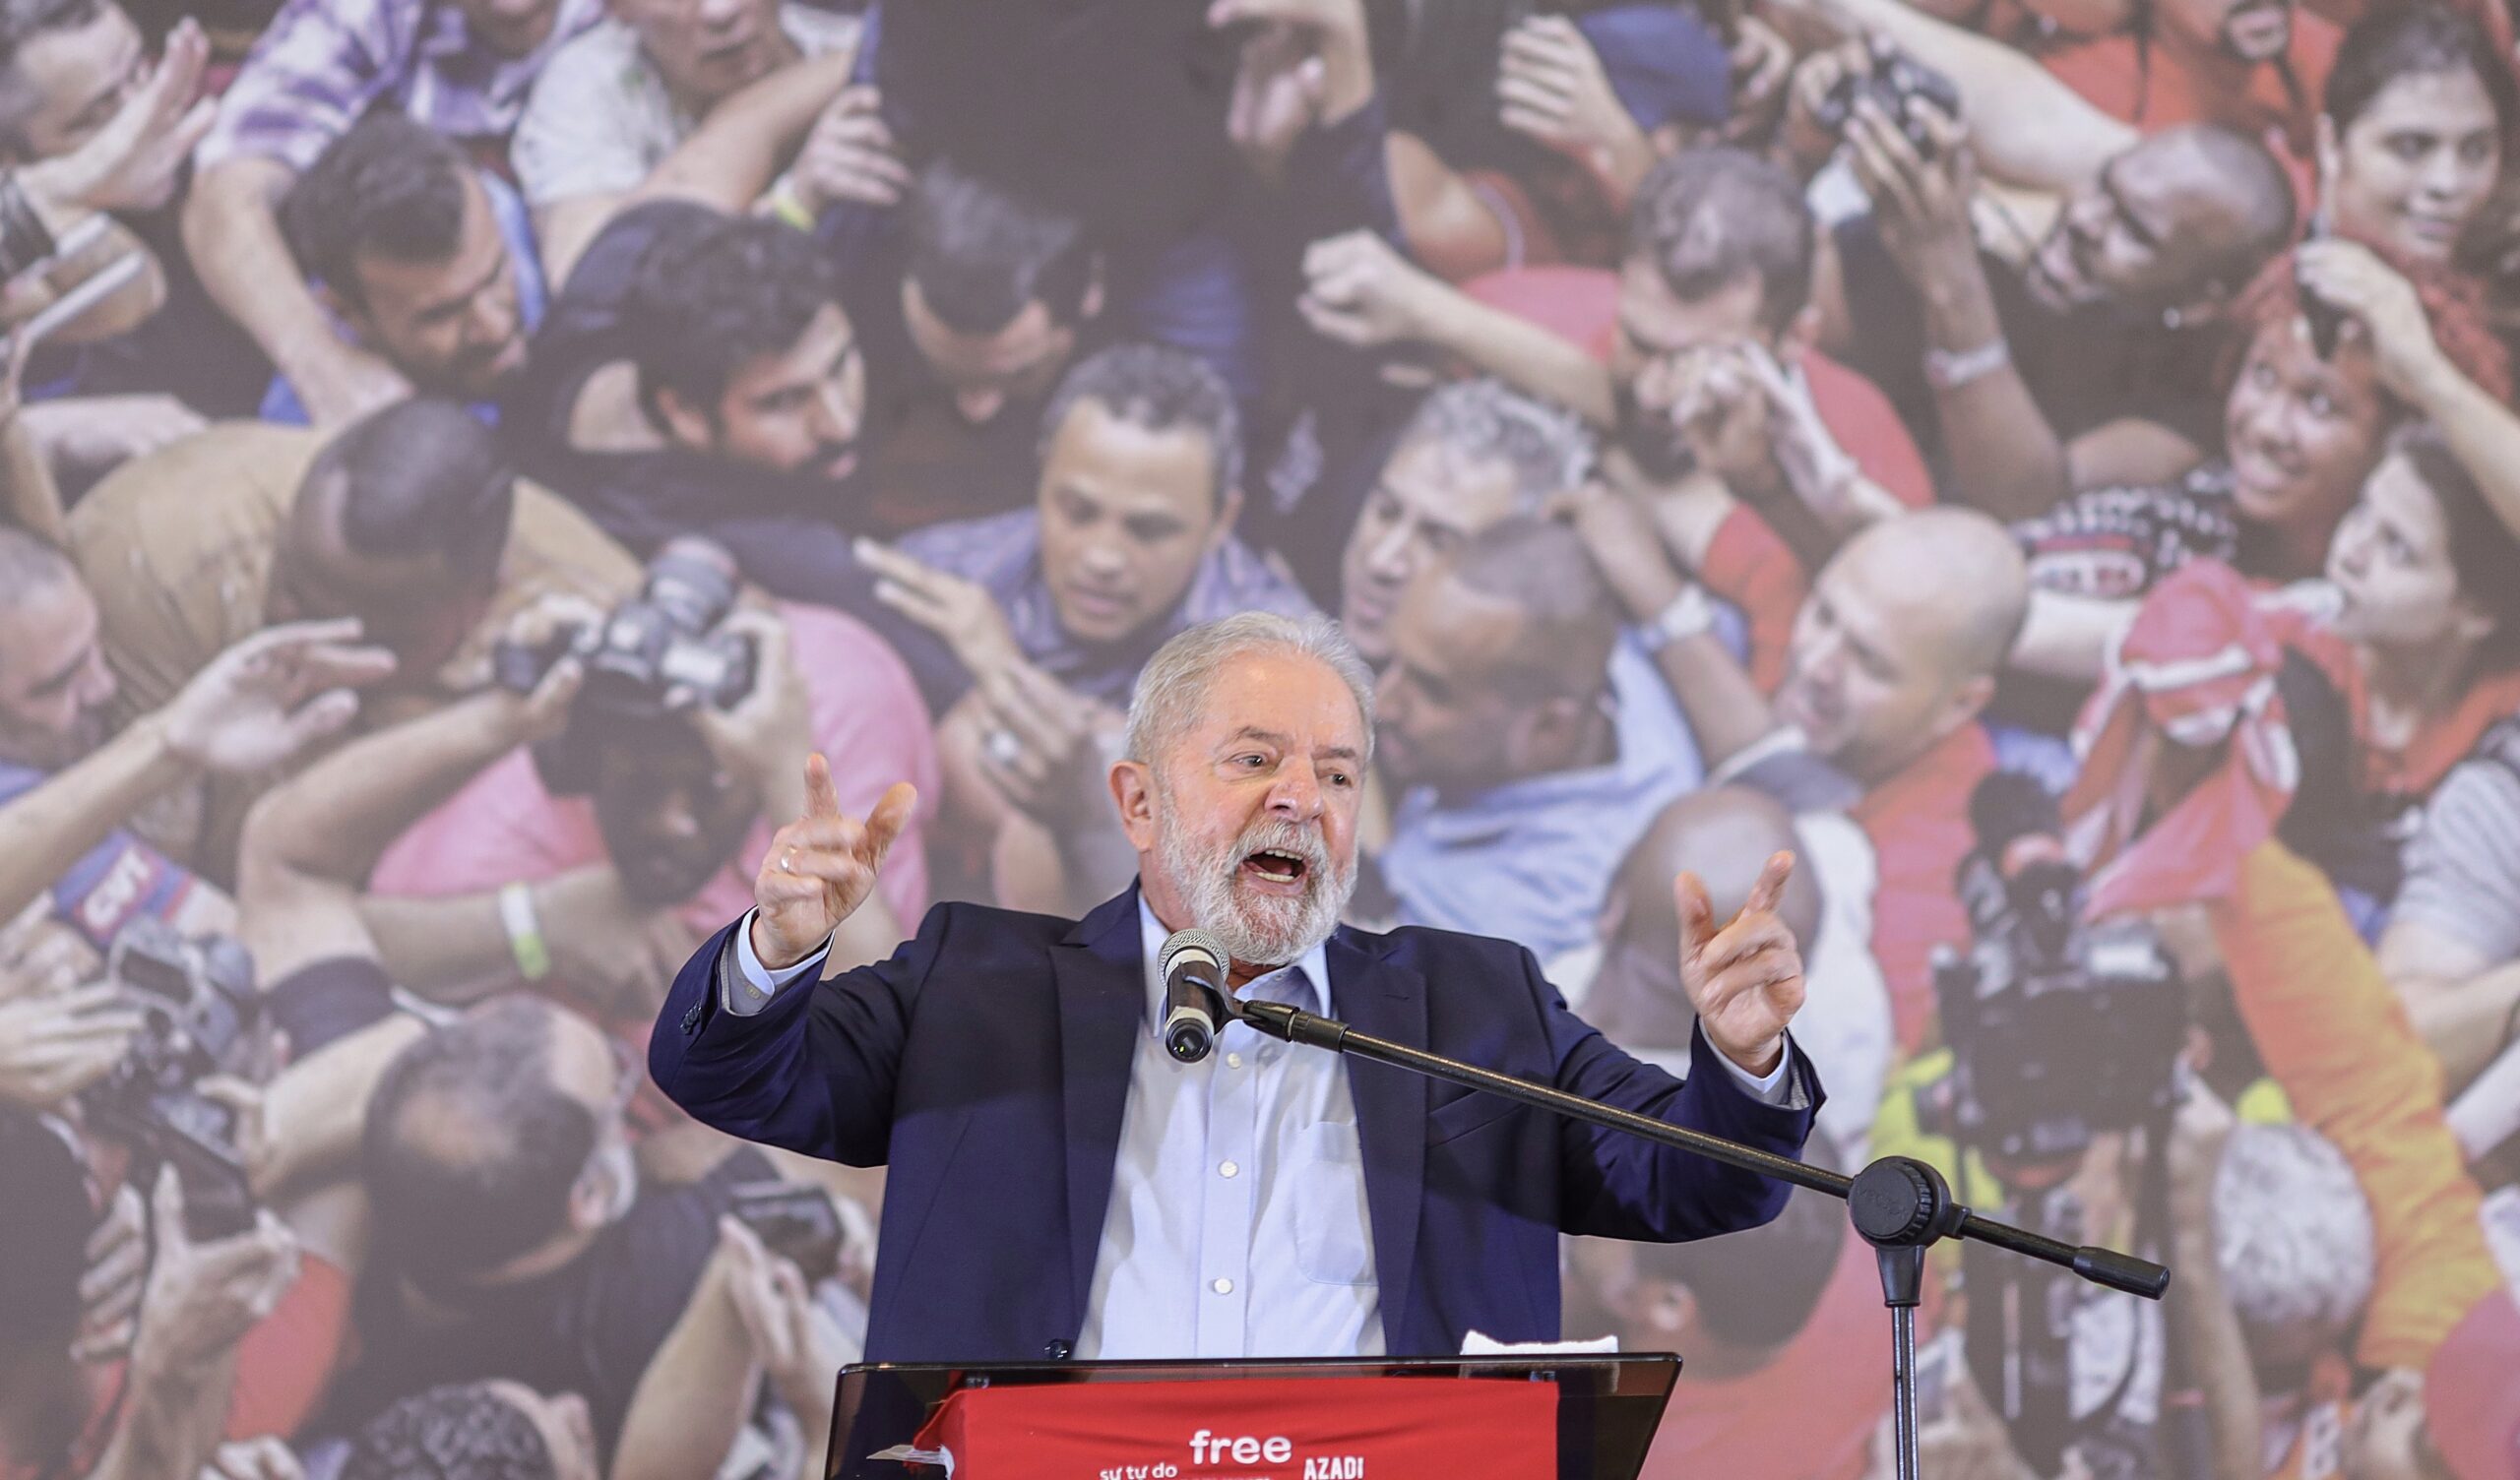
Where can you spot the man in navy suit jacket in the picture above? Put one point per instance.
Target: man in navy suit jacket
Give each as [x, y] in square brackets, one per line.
[1057, 1187]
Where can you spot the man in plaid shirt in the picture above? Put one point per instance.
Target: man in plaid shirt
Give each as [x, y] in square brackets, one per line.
[462, 66]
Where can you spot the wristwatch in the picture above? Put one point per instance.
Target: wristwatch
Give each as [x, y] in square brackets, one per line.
[1947, 371]
[1688, 615]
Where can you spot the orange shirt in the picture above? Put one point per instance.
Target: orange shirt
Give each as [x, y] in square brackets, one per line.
[2152, 88]
[2336, 1038]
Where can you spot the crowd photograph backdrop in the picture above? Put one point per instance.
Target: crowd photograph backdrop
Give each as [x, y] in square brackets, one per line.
[2050, 464]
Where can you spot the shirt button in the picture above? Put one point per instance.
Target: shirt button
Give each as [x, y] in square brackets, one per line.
[1228, 1170]
[1221, 1287]
[1233, 1061]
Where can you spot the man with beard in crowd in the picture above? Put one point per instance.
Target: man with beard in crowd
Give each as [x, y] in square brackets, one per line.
[423, 260]
[699, 376]
[1046, 1217]
[2030, 370]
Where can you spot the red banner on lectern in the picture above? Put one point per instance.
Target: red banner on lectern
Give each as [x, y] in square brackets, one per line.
[1280, 1429]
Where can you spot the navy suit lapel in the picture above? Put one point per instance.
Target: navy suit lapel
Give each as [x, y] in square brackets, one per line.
[1101, 969]
[1374, 996]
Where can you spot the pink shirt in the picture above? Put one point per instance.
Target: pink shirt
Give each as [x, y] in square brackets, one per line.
[866, 717]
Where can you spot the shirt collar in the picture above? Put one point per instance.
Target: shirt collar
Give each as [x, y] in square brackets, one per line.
[1315, 964]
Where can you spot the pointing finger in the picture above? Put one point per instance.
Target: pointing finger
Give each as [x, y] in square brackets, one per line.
[821, 798]
[1769, 891]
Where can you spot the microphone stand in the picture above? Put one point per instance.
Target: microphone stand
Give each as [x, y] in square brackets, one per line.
[1900, 1206]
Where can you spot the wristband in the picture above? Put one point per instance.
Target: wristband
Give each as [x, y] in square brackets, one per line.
[782, 203]
[524, 932]
[1688, 615]
[1946, 371]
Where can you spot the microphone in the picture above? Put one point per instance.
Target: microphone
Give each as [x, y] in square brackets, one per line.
[1193, 964]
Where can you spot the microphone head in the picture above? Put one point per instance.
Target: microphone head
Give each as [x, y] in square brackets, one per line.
[1195, 943]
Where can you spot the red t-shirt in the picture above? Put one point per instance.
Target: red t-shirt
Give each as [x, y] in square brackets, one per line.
[1807, 1415]
[2111, 73]
[1749, 566]
[1919, 823]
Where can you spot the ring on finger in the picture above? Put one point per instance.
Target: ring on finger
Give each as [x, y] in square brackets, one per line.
[1003, 748]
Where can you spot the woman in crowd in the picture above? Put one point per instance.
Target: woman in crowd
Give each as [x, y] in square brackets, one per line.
[2340, 349]
[2412, 130]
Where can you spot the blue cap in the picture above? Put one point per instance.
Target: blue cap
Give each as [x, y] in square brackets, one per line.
[1667, 65]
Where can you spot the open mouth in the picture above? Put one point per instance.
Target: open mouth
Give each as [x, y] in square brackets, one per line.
[1275, 872]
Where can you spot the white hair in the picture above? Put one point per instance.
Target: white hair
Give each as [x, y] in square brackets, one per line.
[2293, 1235]
[1547, 449]
[1173, 685]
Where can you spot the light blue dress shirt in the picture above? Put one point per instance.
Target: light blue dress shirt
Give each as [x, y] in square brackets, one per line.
[1238, 1225]
[1530, 860]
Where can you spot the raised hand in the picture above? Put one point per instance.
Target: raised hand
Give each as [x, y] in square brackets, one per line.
[1360, 292]
[821, 867]
[270, 696]
[1744, 979]
[2385, 310]
[959, 612]
[851, 155]
[1550, 87]
[136, 160]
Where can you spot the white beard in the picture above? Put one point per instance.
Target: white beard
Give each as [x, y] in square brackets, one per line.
[1257, 930]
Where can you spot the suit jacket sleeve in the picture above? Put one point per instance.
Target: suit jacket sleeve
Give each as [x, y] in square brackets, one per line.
[1616, 1186]
[815, 1071]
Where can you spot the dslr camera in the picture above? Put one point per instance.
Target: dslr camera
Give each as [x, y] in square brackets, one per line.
[658, 654]
[2060, 1029]
[1901, 87]
[200, 1016]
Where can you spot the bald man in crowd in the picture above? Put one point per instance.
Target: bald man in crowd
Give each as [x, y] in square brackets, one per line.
[1624, 986]
[1894, 657]
[1528, 744]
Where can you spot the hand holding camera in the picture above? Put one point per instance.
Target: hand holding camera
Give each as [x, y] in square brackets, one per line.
[179, 1092]
[1901, 90]
[766, 732]
[1908, 151]
[798, 1346]
[58, 1035]
[205, 1294]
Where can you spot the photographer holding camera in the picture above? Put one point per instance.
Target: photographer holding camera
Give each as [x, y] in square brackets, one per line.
[201, 1297]
[693, 726]
[2031, 366]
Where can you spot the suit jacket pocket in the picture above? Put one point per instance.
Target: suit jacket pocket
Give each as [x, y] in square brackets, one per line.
[1474, 1111]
